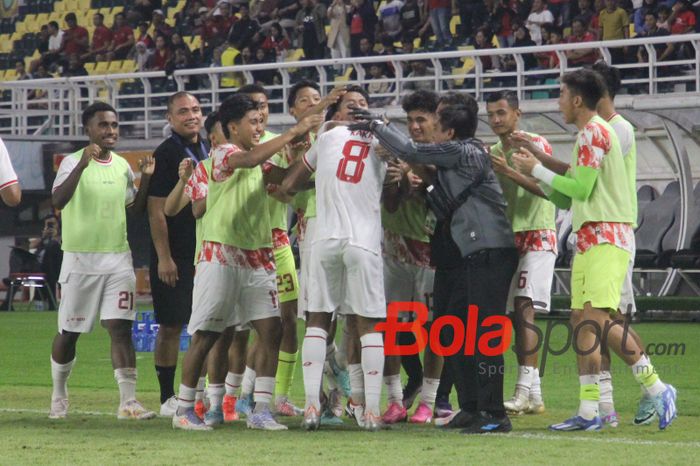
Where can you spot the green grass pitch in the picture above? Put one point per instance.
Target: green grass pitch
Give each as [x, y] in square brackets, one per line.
[92, 435]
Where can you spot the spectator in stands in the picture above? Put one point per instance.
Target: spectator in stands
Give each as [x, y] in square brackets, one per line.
[214, 32]
[613, 24]
[161, 55]
[580, 34]
[502, 19]
[262, 12]
[560, 11]
[419, 69]
[414, 18]
[363, 22]
[641, 13]
[176, 42]
[75, 38]
[439, 11]
[482, 40]
[366, 48]
[522, 39]
[192, 20]
[53, 54]
[286, 13]
[388, 49]
[141, 56]
[583, 10]
[101, 38]
[160, 27]
[142, 10]
[407, 44]
[539, 16]
[663, 51]
[36, 94]
[311, 30]
[390, 18]
[49, 251]
[144, 36]
[182, 61]
[472, 14]
[276, 42]
[662, 19]
[339, 31]
[264, 77]
[378, 85]
[244, 29]
[122, 38]
[549, 60]
[682, 19]
[21, 71]
[229, 57]
[74, 68]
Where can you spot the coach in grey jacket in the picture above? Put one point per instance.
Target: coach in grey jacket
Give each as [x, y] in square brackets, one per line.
[472, 247]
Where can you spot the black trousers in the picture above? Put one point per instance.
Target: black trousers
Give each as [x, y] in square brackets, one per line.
[482, 279]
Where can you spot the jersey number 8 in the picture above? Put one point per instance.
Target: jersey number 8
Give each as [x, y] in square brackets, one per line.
[352, 164]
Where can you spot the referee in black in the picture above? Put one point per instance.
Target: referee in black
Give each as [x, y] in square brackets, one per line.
[173, 241]
[473, 249]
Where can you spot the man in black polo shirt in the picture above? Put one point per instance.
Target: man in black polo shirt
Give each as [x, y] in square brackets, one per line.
[173, 241]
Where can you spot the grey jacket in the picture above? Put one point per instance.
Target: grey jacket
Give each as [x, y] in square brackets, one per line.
[480, 222]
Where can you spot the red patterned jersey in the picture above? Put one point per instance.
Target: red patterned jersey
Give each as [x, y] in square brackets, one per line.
[198, 185]
[279, 238]
[595, 233]
[536, 240]
[407, 250]
[224, 254]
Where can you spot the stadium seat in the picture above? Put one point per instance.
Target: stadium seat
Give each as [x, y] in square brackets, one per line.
[295, 55]
[115, 66]
[454, 22]
[645, 195]
[688, 258]
[60, 7]
[90, 67]
[345, 76]
[657, 219]
[101, 67]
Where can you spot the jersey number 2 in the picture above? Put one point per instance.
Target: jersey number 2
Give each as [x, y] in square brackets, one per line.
[352, 164]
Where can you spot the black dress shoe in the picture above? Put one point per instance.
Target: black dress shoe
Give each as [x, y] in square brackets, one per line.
[487, 423]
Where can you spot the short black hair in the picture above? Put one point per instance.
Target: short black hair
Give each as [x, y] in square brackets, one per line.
[304, 83]
[253, 89]
[611, 77]
[422, 100]
[455, 98]
[100, 15]
[234, 109]
[509, 96]
[211, 120]
[94, 108]
[585, 83]
[652, 13]
[354, 88]
[53, 24]
[176, 96]
[70, 17]
[460, 118]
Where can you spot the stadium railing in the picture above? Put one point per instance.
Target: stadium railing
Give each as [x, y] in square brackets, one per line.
[141, 97]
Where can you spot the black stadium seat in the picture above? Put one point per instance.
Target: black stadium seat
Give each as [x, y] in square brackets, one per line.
[690, 258]
[657, 218]
[645, 195]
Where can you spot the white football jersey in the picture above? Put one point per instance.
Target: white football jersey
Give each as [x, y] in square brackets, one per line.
[349, 180]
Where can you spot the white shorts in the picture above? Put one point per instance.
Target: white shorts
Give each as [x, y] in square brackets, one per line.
[408, 282]
[305, 258]
[346, 277]
[84, 297]
[533, 279]
[627, 303]
[224, 296]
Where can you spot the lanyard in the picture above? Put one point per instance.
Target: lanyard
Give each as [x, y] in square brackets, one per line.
[176, 137]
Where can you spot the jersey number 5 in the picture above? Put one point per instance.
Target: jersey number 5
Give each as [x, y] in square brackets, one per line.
[352, 164]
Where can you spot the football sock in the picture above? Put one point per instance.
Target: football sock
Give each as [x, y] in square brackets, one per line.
[536, 386]
[233, 383]
[215, 392]
[606, 405]
[185, 399]
[59, 375]
[126, 379]
[589, 396]
[201, 383]
[373, 368]
[645, 374]
[393, 387]
[287, 363]
[166, 380]
[524, 382]
[313, 355]
[357, 384]
[429, 391]
[248, 382]
[262, 396]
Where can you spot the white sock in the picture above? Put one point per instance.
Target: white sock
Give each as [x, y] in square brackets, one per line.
[233, 383]
[185, 399]
[59, 375]
[606, 405]
[524, 382]
[126, 379]
[429, 391]
[248, 382]
[645, 374]
[588, 409]
[357, 384]
[373, 368]
[201, 383]
[393, 388]
[313, 356]
[264, 388]
[536, 386]
[216, 391]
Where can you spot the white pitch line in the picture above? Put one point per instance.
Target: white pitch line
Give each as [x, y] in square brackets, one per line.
[591, 438]
[46, 411]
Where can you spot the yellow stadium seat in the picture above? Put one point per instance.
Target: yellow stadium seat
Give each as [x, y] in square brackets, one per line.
[345, 76]
[494, 42]
[128, 66]
[454, 22]
[5, 43]
[71, 6]
[295, 55]
[101, 67]
[21, 27]
[42, 18]
[15, 36]
[59, 6]
[56, 16]
[567, 32]
[83, 5]
[10, 75]
[196, 43]
[115, 66]
[90, 67]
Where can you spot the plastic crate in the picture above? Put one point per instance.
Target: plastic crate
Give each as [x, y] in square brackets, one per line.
[145, 330]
